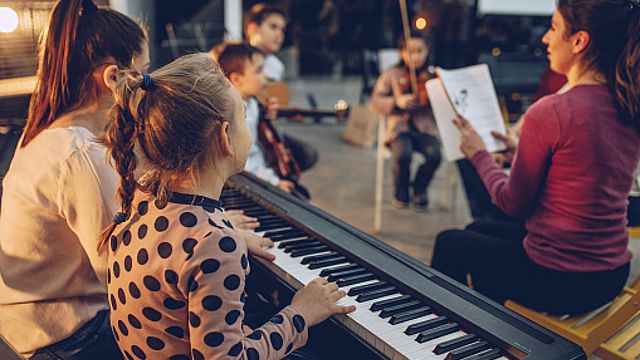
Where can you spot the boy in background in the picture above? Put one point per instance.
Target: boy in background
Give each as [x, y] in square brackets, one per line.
[264, 27]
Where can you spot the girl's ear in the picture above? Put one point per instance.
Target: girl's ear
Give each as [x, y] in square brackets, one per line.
[225, 139]
[235, 79]
[109, 77]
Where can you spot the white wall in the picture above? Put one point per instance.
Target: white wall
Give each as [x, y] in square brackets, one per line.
[233, 19]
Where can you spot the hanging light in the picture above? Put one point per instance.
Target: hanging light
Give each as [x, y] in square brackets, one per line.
[8, 20]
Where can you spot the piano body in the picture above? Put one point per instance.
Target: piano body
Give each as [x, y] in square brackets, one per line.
[405, 310]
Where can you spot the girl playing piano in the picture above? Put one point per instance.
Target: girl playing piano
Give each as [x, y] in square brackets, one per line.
[177, 267]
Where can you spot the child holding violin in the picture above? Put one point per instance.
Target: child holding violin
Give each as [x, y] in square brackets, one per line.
[411, 126]
[243, 65]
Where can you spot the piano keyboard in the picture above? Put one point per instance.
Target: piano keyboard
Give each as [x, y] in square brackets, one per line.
[391, 319]
[396, 324]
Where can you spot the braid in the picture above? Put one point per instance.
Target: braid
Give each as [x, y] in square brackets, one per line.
[120, 139]
[168, 119]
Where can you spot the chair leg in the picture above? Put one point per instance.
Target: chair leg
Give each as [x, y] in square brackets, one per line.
[450, 188]
[379, 187]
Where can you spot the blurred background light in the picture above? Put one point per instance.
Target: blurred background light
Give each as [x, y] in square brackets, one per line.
[8, 20]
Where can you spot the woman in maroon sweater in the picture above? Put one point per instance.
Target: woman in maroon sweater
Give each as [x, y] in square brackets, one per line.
[571, 174]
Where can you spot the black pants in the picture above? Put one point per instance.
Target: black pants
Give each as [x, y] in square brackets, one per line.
[401, 150]
[480, 203]
[494, 256]
[94, 340]
[305, 155]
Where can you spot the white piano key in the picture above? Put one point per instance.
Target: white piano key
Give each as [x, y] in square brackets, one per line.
[425, 350]
[388, 339]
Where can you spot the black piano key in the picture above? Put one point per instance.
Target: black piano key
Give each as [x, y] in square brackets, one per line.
[376, 294]
[487, 355]
[274, 221]
[356, 279]
[379, 305]
[309, 251]
[396, 309]
[466, 351]
[256, 212]
[293, 243]
[281, 232]
[357, 290]
[426, 325]
[410, 315]
[454, 344]
[327, 272]
[292, 248]
[242, 202]
[315, 258]
[343, 274]
[284, 235]
[326, 263]
[234, 205]
[268, 217]
[437, 332]
[288, 237]
[272, 226]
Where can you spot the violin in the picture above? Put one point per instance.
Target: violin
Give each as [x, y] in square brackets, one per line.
[277, 154]
[422, 76]
[412, 80]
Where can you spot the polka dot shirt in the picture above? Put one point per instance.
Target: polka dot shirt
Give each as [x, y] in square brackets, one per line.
[176, 286]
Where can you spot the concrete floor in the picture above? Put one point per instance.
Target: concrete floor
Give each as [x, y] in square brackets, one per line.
[343, 184]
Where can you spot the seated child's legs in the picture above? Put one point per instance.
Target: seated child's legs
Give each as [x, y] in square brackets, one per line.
[429, 147]
[401, 151]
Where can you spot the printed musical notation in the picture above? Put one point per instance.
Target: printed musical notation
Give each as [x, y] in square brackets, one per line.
[469, 92]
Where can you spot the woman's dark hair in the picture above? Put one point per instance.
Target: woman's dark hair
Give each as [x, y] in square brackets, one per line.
[80, 38]
[168, 119]
[614, 48]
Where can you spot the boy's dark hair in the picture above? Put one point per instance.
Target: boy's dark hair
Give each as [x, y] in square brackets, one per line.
[233, 57]
[259, 12]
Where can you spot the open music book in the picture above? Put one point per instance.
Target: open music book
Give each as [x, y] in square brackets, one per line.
[469, 92]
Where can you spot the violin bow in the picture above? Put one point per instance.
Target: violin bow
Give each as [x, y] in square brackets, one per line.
[407, 37]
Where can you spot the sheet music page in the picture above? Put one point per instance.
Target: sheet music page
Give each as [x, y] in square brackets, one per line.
[470, 90]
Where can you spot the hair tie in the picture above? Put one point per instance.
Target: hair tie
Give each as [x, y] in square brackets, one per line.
[88, 7]
[120, 218]
[147, 82]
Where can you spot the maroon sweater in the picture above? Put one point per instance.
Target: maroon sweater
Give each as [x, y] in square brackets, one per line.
[571, 176]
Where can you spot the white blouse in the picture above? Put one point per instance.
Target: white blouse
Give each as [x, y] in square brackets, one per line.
[58, 196]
